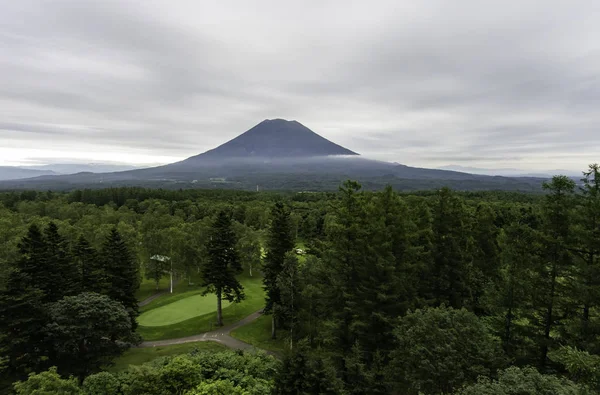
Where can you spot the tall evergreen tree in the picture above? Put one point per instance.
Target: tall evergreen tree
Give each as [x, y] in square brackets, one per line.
[508, 299]
[345, 258]
[22, 313]
[400, 266]
[223, 265]
[279, 243]
[288, 285]
[121, 272]
[555, 261]
[302, 372]
[23, 347]
[33, 264]
[486, 256]
[91, 271]
[586, 249]
[63, 279]
[363, 292]
[449, 274]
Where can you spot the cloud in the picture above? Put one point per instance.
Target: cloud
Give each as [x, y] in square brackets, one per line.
[502, 84]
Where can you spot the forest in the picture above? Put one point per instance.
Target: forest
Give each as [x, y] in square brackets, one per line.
[353, 292]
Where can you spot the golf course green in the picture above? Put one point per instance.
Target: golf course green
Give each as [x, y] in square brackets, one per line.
[180, 310]
[186, 312]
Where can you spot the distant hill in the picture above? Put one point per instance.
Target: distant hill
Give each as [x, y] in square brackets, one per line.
[73, 168]
[15, 173]
[280, 155]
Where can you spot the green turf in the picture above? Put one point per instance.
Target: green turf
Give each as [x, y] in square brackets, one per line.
[258, 333]
[148, 288]
[138, 356]
[180, 310]
[255, 300]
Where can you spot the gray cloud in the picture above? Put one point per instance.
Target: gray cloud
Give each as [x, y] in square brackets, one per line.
[503, 84]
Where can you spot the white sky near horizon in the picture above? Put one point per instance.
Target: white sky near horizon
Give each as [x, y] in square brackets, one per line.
[498, 84]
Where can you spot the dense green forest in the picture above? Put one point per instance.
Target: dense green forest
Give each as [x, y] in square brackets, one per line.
[366, 292]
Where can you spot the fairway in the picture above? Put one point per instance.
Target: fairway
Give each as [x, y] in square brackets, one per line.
[181, 310]
[170, 324]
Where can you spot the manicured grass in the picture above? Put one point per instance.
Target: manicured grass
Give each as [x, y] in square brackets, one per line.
[258, 333]
[138, 356]
[181, 310]
[148, 288]
[255, 300]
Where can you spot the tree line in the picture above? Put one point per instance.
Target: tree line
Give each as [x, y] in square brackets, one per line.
[425, 298]
[437, 292]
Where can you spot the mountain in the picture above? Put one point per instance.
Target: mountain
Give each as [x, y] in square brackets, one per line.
[279, 155]
[15, 173]
[274, 138]
[73, 168]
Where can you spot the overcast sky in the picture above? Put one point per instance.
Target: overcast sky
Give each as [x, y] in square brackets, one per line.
[426, 83]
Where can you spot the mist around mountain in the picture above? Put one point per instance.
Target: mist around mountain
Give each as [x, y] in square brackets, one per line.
[279, 155]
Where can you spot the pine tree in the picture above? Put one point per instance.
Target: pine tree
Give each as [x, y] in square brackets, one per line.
[400, 272]
[345, 258]
[304, 373]
[223, 265]
[33, 264]
[121, 273]
[23, 347]
[288, 286]
[449, 275]
[91, 272]
[586, 248]
[555, 262]
[279, 243]
[22, 313]
[386, 282]
[508, 299]
[486, 256]
[62, 279]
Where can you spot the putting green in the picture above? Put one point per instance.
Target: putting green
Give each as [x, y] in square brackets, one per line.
[180, 310]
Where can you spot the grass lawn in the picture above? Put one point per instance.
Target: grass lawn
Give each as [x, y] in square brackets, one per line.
[148, 288]
[258, 333]
[255, 300]
[138, 356]
[180, 310]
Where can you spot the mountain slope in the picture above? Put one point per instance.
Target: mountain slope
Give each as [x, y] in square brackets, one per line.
[73, 168]
[274, 138]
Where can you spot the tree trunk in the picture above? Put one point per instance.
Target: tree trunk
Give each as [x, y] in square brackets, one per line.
[219, 310]
[250, 269]
[507, 329]
[586, 306]
[549, 316]
[273, 331]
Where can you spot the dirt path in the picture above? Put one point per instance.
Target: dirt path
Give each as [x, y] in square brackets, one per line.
[220, 335]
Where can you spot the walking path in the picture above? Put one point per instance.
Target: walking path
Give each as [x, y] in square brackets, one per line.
[220, 335]
[149, 299]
